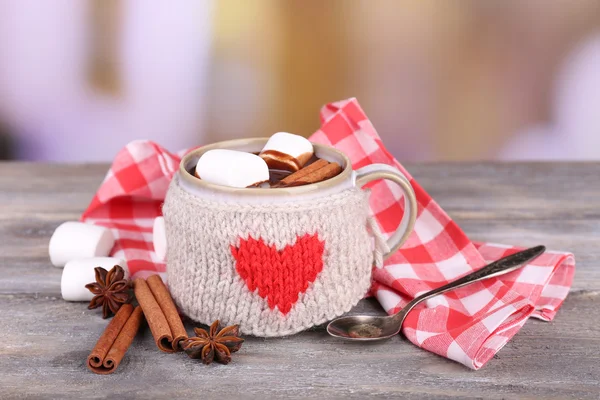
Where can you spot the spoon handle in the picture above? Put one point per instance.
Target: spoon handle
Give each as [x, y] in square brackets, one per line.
[500, 267]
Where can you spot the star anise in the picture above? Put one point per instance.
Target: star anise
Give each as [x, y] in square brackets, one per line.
[217, 344]
[110, 290]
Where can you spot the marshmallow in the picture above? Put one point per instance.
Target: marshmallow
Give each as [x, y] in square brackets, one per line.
[75, 240]
[159, 238]
[286, 151]
[232, 168]
[78, 273]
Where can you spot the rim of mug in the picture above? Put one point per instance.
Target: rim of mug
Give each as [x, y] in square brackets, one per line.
[258, 141]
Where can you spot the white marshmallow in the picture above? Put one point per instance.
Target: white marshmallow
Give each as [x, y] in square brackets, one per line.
[75, 240]
[296, 151]
[78, 273]
[232, 168]
[159, 238]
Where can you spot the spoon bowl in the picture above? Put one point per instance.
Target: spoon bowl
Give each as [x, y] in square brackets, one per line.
[373, 327]
[364, 327]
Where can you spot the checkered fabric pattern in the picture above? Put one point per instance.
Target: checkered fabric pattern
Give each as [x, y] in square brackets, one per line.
[468, 325]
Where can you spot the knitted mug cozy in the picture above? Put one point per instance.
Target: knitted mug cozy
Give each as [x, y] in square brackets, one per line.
[274, 269]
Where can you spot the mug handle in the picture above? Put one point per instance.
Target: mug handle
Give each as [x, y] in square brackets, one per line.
[375, 172]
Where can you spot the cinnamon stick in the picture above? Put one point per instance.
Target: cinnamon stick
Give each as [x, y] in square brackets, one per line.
[328, 171]
[165, 301]
[115, 340]
[320, 163]
[166, 336]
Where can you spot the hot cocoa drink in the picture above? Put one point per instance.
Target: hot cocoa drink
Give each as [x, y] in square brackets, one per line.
[286, 160]
[314, 171]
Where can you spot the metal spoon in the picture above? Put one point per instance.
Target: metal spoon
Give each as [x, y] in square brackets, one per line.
[373, 327]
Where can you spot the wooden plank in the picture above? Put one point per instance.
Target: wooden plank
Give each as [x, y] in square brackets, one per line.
[45, 341]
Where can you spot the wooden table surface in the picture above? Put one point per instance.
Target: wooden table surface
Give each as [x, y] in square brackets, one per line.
[45, 340]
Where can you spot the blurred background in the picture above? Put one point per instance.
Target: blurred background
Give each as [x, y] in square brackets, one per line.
[468, 80]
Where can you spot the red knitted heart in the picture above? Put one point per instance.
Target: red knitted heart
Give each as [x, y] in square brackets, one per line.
[280, 276]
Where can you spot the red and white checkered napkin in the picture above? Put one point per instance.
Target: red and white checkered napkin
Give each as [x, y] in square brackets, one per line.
[468, 325]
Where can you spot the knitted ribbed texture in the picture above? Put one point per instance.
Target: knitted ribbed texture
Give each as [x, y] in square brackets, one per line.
[279, 276]
[275, 269]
